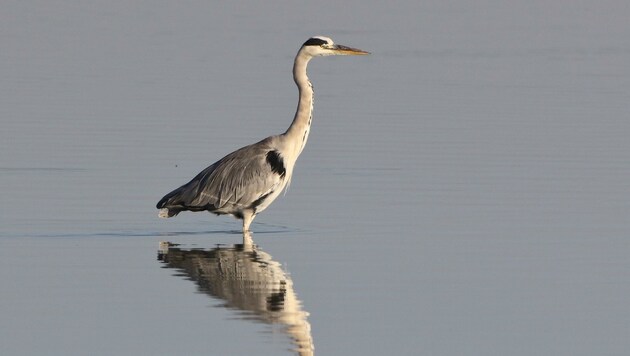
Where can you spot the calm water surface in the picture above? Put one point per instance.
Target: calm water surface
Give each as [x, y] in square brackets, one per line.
[464, 190]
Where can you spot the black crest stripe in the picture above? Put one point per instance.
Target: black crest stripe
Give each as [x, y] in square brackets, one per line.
[314, 42]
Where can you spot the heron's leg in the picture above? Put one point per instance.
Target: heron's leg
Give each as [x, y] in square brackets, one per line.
[248, 217]
[248, 242]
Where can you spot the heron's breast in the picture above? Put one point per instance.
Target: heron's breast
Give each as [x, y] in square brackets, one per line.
[264, 201]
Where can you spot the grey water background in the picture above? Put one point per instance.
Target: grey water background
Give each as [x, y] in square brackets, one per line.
[465, 189]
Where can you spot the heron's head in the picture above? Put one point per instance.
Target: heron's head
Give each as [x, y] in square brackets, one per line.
[324, 46]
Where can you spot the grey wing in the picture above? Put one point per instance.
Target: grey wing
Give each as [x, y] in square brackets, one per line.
[240, 180]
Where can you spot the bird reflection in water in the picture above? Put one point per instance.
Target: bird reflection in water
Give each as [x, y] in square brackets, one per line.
[248, 279]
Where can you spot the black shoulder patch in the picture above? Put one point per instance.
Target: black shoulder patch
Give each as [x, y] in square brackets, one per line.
[314, 42]
[276, 163]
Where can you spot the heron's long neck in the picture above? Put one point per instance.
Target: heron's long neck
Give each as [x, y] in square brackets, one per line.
[297, 133]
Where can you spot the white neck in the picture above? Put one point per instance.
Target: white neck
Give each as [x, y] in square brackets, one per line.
[297, 134]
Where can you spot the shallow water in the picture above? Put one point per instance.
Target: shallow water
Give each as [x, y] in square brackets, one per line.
[464, 189]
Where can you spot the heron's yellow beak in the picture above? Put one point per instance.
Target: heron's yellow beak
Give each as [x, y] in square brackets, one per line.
[348, 51]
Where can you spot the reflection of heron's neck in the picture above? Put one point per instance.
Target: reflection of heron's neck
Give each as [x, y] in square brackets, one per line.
[297, 134]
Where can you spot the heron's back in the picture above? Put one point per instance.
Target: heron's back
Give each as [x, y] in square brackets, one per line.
[245, 179]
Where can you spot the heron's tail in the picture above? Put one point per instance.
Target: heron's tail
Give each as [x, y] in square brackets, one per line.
[165, 213]
[188, 197]
[168, 205]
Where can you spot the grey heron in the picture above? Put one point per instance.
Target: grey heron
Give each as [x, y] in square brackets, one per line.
[246, 181]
